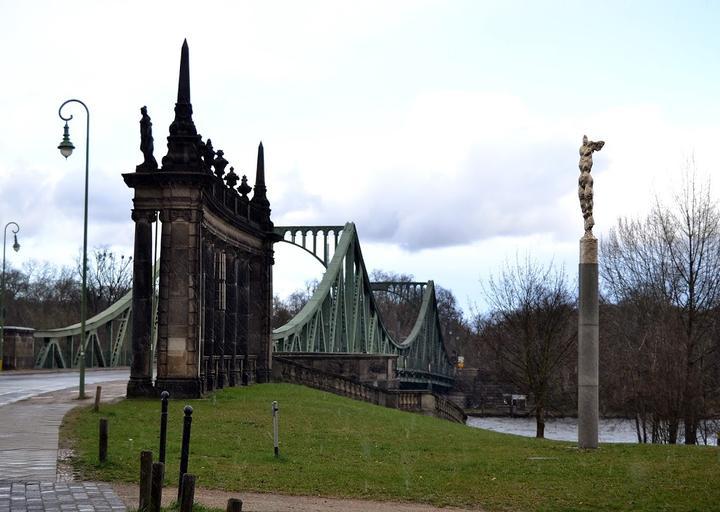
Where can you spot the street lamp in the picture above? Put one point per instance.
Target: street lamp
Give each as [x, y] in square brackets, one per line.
[66, 148]
[16, 247]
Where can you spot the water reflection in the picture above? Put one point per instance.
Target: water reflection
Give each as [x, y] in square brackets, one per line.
[565, 429]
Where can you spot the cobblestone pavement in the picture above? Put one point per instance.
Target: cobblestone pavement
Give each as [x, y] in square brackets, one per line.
[29, 451]
[58, 497]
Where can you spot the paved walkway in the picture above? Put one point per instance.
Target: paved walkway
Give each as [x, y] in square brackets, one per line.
[29, 452]
[58, 497]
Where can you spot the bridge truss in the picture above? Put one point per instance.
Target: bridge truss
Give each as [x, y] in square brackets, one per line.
[342, 315]
[105, 340]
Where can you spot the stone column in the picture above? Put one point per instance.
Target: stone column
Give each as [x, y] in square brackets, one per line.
[179, 306]
[231, 313]
[220, 349]
[209, 315]
[265, 354]
[140, 383]
[243, 314]
[588, 346]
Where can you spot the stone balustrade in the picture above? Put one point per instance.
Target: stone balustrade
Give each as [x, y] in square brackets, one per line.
[424, 402]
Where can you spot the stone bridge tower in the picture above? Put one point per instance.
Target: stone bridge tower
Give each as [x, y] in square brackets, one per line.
[215, 292]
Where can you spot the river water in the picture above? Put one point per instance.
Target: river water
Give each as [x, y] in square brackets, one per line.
[564, 429]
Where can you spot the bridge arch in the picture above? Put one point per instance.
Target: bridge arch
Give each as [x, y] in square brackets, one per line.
[321, 252]
[342, 317]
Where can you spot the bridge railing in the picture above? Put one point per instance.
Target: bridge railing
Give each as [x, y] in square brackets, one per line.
[424, 402]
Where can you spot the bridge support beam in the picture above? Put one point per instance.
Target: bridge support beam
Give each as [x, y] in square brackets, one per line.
[140, 383]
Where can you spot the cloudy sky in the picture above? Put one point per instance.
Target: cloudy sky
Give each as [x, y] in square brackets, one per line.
[447, 131]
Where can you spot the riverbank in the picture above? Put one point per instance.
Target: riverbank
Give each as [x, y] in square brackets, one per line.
[335, 447]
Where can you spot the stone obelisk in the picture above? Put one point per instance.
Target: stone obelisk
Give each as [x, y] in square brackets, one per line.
[588, 335]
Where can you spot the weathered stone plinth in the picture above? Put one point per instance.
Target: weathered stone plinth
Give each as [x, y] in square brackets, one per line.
[180, 388]
[140, 387]
[588, 346]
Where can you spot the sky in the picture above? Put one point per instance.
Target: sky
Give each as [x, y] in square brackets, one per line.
[448, 131]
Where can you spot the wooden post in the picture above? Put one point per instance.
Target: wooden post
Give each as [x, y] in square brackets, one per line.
[98, 390]
[103, 439]
[234, 505]
[158, 474]
[188, 493]
[145, 480]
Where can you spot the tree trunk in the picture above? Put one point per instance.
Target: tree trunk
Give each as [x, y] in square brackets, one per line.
[673, 425]
[691, 426]
[540, 420]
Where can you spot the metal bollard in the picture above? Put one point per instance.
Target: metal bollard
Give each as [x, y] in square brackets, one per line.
[188, 493]
[163, 423]
[145, 480]
[276, 419]
[158, 473]
[185, 450]
[103, 438]
[234, 505]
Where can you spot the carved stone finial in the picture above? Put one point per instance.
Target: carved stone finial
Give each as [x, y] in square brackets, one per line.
[183, 141]
[260, 191]
[244, 188]
[146, 142]
[184, 79]
[220, 163]
[231, 178]
[585, 182]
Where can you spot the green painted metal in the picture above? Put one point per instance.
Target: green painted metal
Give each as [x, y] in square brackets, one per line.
[115, 318]
[306, 238]
[342, 317]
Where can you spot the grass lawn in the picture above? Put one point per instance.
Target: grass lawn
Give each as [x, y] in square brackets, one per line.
[332, 446]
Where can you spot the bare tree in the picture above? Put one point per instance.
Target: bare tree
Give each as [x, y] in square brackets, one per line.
[531, 327]
[663, 271]
[285, 310]
[109, 277]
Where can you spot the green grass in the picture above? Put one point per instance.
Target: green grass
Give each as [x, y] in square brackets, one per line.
[333, 446]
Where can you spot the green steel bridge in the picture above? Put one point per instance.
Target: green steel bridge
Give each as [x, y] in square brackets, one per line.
[341, 317]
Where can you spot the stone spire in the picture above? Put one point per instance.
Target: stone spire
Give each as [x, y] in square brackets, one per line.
[184, 79]
[260, 190]
[183, 141]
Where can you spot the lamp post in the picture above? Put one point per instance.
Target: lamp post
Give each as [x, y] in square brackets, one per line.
[66, 148]
[16, 247]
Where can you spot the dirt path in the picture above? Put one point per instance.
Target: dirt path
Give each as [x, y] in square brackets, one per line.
[259, 502]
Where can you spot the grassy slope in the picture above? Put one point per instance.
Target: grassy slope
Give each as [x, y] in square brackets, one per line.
[338, 447]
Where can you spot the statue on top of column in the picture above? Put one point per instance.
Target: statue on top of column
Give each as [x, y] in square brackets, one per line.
[585, 182]
[146, 142]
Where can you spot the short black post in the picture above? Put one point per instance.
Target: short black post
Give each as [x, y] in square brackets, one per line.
[158, 473]
[276, 420]
[185, 450]
[103, 439]
[188, 493]
[234, 505]
[145, 480]
[163, 423]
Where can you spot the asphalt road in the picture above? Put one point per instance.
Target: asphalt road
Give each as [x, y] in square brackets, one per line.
[15, 386]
